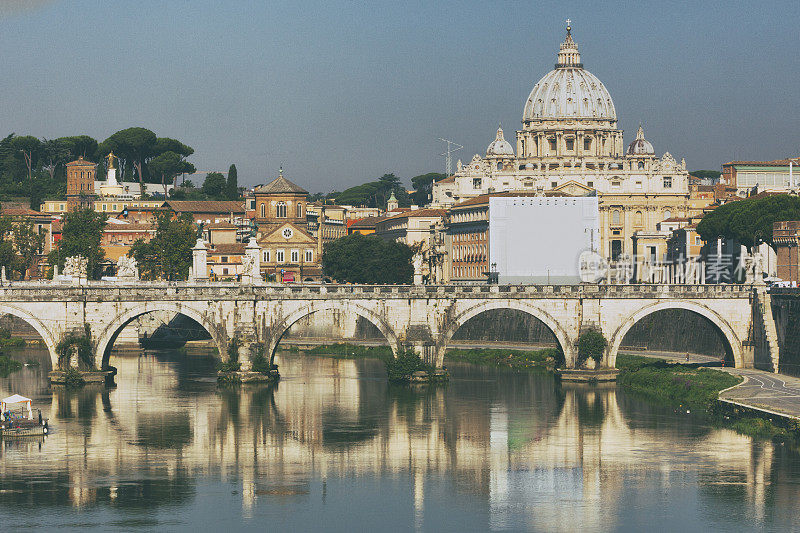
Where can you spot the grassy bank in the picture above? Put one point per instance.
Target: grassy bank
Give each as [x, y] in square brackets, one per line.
[537, 359]
[8, 365]
[697, 389]
[344, 351]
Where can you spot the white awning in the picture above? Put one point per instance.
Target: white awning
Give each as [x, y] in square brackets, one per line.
[16, 398]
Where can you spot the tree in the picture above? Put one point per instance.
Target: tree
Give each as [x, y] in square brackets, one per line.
[79, 146]
[81, 235]
[133, 146]
[214, 185]
[591, 345]
[54, 153]
[8, 257]
[28, 244]
[232, 186]
[423, 186]
[368, 259]
[164, 145]
[168, 165]
[29, 147]
[168, 255]
[749, 220]
[706, 174]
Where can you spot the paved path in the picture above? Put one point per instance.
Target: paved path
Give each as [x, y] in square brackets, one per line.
[766, 391]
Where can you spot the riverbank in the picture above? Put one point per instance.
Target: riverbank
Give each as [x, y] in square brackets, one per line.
[8, 365]
[697, 389]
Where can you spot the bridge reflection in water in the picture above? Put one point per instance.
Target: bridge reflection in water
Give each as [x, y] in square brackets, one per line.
[509, 450]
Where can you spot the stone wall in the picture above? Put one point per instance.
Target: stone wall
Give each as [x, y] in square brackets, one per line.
[786, 312]
[675, 330]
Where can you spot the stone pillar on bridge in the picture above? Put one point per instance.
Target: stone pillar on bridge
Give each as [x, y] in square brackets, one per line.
[200, 261]
[251, 273]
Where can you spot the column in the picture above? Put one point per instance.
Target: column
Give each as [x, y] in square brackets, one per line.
[200, 261]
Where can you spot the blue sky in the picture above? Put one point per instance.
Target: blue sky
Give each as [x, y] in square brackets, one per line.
[342, 92]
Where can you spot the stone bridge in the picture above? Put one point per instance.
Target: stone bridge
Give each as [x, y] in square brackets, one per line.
[422, 317]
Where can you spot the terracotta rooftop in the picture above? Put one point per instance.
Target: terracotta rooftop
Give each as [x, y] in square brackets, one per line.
[412, 213]
[128, 227]
[229, 249]
[773, 163]
[220, 225]
[205, 206]
[80, 161]
[279, 185]
[368, 222]
[22, 212]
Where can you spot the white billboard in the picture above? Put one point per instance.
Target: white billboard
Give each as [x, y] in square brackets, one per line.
[535, 239]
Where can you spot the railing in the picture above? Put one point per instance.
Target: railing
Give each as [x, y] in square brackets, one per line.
[230, 290]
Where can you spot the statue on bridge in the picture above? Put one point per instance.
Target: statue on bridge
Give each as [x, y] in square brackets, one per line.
[75, 266]
[127, 268]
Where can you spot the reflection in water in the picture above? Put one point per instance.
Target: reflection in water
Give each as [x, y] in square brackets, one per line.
[333, 445]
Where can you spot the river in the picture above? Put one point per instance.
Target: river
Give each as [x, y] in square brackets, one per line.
[334, 447]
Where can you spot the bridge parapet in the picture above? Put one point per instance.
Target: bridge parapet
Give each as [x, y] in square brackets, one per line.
[109, 291]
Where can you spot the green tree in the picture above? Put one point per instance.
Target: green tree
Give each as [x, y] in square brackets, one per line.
[749, 220]
[168, 255]
[706, 174]
[591, 345]
[81, 235]
[79, 146]
[134, 146]
[28, 244]
[214, 185]
[8, 257]
[168, 165]
[164, 145]
[30, 149]
[423, 186]
[54, 153]
[368, 259]
[232, 185]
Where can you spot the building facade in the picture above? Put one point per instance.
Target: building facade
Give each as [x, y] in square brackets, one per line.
[570, 135]
[80, 183]
[761, 176]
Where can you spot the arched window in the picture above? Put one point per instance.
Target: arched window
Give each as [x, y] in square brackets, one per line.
[499, 166]
[667, 214]
[263, 211]
[637, 219]
[615, 216]
[299, 210]
[280, 210]
[641, 165]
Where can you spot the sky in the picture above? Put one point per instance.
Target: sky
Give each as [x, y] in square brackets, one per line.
[340, 93]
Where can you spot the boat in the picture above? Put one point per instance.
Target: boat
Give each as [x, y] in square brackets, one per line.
[20, 423]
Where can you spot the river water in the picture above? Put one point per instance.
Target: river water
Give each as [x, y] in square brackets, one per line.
[334, 447]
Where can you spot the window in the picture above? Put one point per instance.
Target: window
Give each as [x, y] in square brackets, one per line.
[60, 207]
[299, 210]
[263, 211]
[553, 184]
[616, 249]
[266, 256]
[224, 259]
[615, 183]
[279, 256]
[552, 144]
[105, 206]
[697, 240]
[224, 271]
[309, 256]
[114, 207]
[637, 219]
[641, 165]
[615, 216]
[590, 184]
[295, 256]
[522, 147]
[587, 143]
[476, 183]
[280, 210]
[570, 144]
[667, 214]
[667, 182]
[499, 166]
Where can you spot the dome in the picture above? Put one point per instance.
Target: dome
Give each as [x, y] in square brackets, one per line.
[500, 146]
[569, 91]
[640, 146]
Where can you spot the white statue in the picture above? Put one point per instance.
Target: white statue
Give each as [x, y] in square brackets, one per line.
[248, 261]
[75, 266]
[126, 267]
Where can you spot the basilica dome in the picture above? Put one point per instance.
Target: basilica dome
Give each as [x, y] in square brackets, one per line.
[569, 91]
[500, 146]
[640, 145]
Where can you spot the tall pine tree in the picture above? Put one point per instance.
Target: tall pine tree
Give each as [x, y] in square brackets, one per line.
[232, 186]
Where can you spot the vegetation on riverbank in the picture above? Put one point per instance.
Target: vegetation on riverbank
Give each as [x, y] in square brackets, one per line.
[697, 389]
[8, 365]
[408, 366]
[6, 340]
[546, 359]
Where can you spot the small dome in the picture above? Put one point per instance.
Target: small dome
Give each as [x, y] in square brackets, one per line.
[640, 146]
[499, 146]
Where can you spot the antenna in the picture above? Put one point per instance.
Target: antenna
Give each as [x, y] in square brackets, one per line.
[448, 157]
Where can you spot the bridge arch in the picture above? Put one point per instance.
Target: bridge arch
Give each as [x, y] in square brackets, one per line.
[106, 339]
[323, 305]
[40, 328]
[731, 339]
[567, 346]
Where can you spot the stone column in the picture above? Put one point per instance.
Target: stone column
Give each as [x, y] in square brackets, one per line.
[200, 261]
[252, 261]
